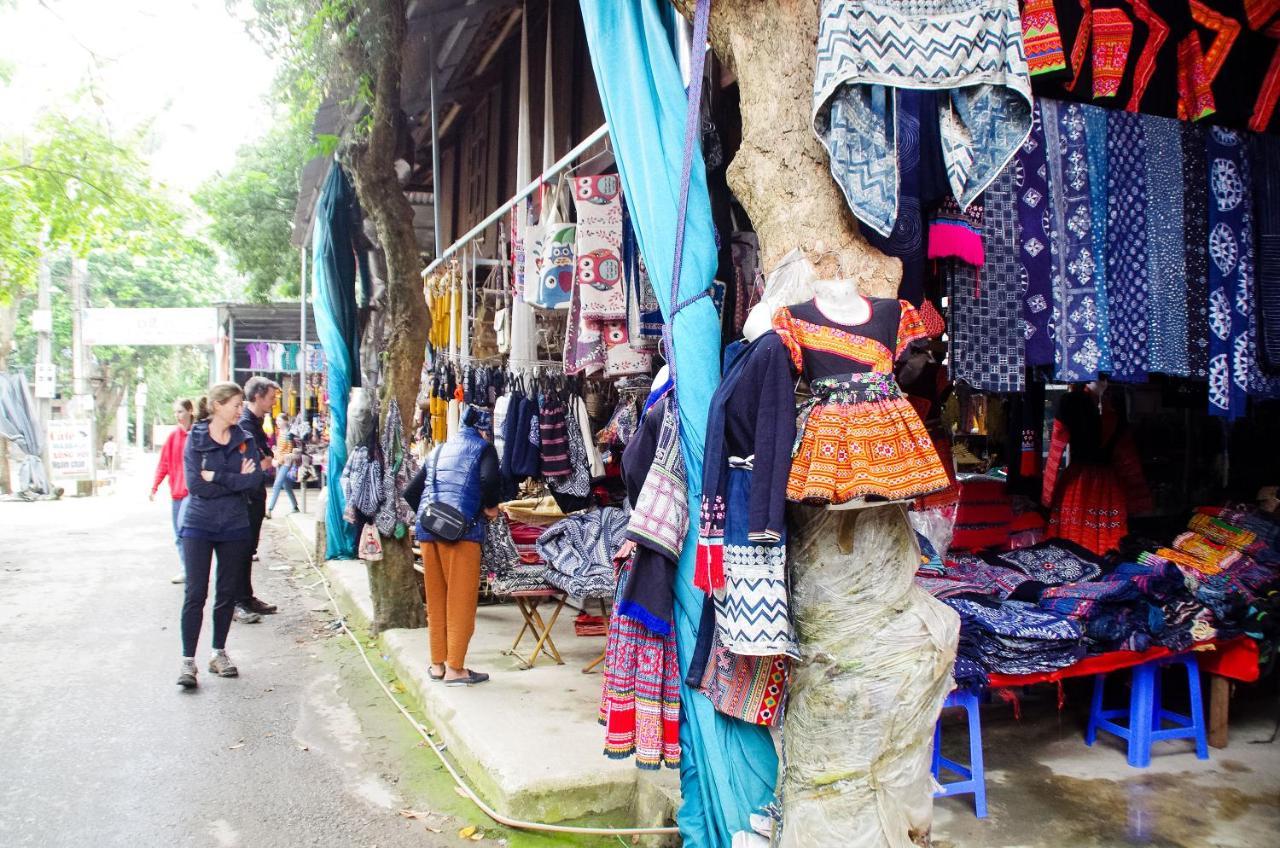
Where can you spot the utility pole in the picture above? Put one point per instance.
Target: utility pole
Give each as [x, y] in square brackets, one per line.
[82, 399]
[43, 320]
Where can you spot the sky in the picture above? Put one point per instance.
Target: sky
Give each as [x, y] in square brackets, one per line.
[188, 66]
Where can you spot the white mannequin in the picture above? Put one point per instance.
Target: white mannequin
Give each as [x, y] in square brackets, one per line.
[840, 301]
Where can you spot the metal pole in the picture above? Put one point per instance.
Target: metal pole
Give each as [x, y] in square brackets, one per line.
[44, 353]
[302, 361]
[82, 400]
[435, 146]
[564, 162]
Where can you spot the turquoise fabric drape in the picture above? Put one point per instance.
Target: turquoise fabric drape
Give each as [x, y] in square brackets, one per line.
[728, 768]
[333, 270]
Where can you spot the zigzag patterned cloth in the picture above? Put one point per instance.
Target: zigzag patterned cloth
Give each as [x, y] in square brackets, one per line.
[971, 49]
[752, 613]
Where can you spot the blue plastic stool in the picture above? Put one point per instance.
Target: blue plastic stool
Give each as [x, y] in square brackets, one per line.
[1146, 713]
[973, 777]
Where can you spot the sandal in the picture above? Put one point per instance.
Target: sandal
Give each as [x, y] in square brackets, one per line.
[433, 676]
[472, 678]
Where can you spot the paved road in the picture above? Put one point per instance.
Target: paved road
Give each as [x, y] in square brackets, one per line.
[100, 748]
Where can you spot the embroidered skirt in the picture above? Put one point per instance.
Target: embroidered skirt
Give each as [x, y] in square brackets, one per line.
[640, 703]
[1091, 510]
[752, 616]
[858, 437]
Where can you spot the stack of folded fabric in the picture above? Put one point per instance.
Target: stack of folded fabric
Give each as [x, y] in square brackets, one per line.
[530, 573]
[1054, 563]
[970, 575]
[1112, 613]
[968, 674]
[1016, 637]
[579, 552]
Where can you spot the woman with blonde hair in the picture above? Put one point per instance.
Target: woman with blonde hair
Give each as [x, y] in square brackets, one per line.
[221, 464]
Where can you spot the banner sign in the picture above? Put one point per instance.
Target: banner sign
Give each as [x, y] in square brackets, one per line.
[71, 449]
[196, 326]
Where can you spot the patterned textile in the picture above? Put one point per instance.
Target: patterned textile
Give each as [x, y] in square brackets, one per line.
[660, 519]
[553, 431]
[753, 689]
[1195, 219]
[1230, 272]
[990, 579]
[395, 516]
[579, 552]
[1036, 237]
[1091, 508]
[1076, 308]
[969, 674]
[1195, 96]
[1112, 37]
[1041, 38]
[578, 481]
[857, 436]
[1016, 637]
[583, 340]
[1095, 122]
[1221, 531]
[1054, 563]
[752, 615]
[988, 343]
[556, 267]
[1267, 200]
[640, 702]
[1127, 264]
[956, 232]
[972, 49]
[1166, 251]
[1212, 554]
[598, 202]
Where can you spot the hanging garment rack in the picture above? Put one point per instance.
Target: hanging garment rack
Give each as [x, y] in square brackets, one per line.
[534, 185]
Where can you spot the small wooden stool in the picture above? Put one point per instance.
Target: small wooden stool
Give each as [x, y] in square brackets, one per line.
[528, 603]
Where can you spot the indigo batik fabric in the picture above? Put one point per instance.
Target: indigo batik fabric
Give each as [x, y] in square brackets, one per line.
[1195, 222]
[1035, 241]
[1166, 253]
[1127, 270]
[1230, 266]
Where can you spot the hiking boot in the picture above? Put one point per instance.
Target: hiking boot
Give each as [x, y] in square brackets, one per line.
[247, 616]
[222, 666]
[187, 676]
[259, 606]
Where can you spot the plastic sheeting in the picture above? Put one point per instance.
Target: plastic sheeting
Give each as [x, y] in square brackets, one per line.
[729, 768]
[334, 280]
[877, 653]
[18, 425]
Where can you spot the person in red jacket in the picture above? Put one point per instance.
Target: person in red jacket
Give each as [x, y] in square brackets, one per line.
[170, 465]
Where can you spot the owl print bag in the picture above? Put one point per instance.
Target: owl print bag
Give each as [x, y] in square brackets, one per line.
[598, 203]
[556, 265]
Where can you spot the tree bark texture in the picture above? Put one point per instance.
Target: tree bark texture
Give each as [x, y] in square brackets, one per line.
[780, 174]
[863, 702]
[370, 159]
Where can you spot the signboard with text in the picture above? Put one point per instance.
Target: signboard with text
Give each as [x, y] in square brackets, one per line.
[196, 326]
[46, 380]
[71, 449]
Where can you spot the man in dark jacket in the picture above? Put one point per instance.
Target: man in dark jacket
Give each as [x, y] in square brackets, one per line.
[259, 399]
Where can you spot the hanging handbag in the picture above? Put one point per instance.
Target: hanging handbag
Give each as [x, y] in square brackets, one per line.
[498, 554]
[439, 518]
[370, 548]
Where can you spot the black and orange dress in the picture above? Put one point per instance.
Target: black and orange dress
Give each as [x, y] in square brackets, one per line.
[857, 437]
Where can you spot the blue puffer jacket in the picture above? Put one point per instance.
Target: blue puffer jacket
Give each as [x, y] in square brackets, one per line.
[217, 509]
[457, 481]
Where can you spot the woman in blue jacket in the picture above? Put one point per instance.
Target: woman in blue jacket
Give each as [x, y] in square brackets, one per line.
[222, 464]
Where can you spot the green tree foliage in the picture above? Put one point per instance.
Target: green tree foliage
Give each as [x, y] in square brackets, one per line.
[251, 209]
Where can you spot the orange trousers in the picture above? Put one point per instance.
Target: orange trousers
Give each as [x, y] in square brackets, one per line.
[451, 579]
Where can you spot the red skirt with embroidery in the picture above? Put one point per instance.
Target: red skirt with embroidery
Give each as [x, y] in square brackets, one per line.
[1091, 509]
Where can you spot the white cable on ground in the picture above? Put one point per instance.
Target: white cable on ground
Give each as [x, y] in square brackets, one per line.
[436, 749]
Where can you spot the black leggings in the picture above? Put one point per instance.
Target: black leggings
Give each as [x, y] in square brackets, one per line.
[233, 562]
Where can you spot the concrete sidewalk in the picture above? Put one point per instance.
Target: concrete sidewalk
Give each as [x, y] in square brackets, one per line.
[528, 740]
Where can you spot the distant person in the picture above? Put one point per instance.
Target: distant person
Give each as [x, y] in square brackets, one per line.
[170, 465]
[259, 399]
[109, 450]
[291, 467]
[463, 474]
[221, 464]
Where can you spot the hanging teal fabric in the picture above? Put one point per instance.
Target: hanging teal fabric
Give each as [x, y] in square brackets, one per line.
[333, 267]
[728, 768]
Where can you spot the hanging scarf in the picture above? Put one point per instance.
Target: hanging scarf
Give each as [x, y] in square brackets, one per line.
[1127, 270]
[1078, 352]
[1166, 253]
[1267, 159]
[868, 51]
[395, 516]
[1195, 221]
[1095, 122]
[1035, 237]
[1230, 249]
[988, 345]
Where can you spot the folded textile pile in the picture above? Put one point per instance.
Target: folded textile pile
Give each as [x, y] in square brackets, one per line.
[529, 574]
[968, 674]
[971, 575]
[1112, 613]
[579, 552]
[1055, 562]
[1016, 637]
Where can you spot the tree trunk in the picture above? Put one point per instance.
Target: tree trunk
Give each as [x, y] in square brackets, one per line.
[8, 325]
[396, 586]
[782, 178]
